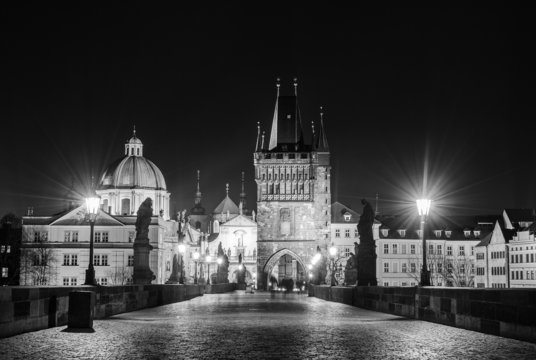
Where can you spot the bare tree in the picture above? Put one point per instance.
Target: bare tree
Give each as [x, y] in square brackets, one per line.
[39, 264]
[446, 270]
[120, 275]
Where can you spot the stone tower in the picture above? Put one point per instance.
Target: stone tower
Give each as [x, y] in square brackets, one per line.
[293, 192]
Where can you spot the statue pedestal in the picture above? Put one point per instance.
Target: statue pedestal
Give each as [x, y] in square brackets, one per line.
[142, 273]
[350, 277]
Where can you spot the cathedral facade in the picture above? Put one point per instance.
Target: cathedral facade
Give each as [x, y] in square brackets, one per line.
[293, 195]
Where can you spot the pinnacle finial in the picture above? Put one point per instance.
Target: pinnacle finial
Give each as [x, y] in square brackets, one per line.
[134, 131]
[198, 178]
[296, 86]
[313, 126]
[227, 189]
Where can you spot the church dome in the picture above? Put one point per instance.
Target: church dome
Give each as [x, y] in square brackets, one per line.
[133, 171]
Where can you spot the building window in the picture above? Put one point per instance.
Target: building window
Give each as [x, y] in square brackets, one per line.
[385, 267]
[66, 238]
[412, 249]
[448, 233]
[449, 250]
[386, 248]
[105, 236]
[347, 217]
[131, 236]
[439, 268]
[356, 233]
[347, 233]
[74, 260]
[102, 281]
[395, 249]
[437, 233]
[404, 267]
[104, 260]
[386, 283]
[40, 236]
[337, 233]
[97, 236]
[402, 233]
[412, 267]
[385, 232]
[431, 249]
[65, 281]
[461, 250]
[70, 260]
[96, 260]
[439, 249]
[130, 260]
[66, 262]
[347, 252]
[5, 272]
[472, 250]
[403, 249]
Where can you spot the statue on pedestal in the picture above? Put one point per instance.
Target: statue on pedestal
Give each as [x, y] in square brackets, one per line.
[350, 271]
[142, 272]
[366, 257]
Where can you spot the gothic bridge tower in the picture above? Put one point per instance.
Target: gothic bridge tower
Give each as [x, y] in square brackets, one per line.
[293, 194]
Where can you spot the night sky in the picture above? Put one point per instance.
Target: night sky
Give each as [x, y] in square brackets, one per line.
[436, 96]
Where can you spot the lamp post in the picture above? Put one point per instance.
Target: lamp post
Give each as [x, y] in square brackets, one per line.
[208, 259]
[182, 249]
[333, 253]
[92, 206]
[423, 207]
[196, 257]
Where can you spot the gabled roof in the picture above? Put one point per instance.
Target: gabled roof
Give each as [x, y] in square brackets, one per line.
[338, 211]
[226, 205]
[513, 217]
[240, 220]
[78, 216]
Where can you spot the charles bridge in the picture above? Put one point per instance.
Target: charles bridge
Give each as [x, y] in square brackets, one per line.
[198, 322]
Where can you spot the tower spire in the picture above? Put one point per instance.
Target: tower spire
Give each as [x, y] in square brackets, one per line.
[227, 189]
[295, 86]
[243, 194]
[377, 211]
[198, 192]
[262, 141]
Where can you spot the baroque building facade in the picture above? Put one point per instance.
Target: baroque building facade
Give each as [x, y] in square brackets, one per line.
[55, 248]
[293, 195]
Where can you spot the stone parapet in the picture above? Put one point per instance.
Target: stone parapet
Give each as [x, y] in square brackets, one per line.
[25, 308]
[504, 312]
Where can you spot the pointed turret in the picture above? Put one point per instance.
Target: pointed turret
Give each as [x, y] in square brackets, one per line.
[287, 132]
[321, 142]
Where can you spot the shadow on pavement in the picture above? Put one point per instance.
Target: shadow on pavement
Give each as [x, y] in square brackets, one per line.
[75, 330]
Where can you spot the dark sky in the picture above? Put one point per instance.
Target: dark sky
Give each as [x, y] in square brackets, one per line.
[441, 96]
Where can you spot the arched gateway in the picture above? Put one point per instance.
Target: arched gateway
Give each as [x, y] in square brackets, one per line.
[298, 273]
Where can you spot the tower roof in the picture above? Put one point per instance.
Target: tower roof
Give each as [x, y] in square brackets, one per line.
[287, 132]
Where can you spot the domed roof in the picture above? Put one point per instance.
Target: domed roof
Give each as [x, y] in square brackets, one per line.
[133, 171]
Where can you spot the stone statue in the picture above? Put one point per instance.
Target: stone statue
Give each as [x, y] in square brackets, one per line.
[145, 212]
[142, 274]
[366, 256]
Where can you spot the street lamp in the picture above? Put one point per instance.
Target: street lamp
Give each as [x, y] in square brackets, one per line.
[423, 206]
[182, 249]
[196, 257]
[208, 259]
[333, 253]
[92, 206]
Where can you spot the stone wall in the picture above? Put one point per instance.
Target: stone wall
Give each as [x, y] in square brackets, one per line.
[24, 309]
[504, 312]
[220, 288]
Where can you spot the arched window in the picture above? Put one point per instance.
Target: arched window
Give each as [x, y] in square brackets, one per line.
[125, 206]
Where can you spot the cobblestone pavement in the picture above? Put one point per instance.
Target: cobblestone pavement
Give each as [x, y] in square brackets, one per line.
[262, 326]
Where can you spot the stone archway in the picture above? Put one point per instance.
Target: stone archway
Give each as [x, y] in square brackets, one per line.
[274, 259]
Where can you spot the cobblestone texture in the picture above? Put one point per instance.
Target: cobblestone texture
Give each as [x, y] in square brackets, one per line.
[262, 326]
